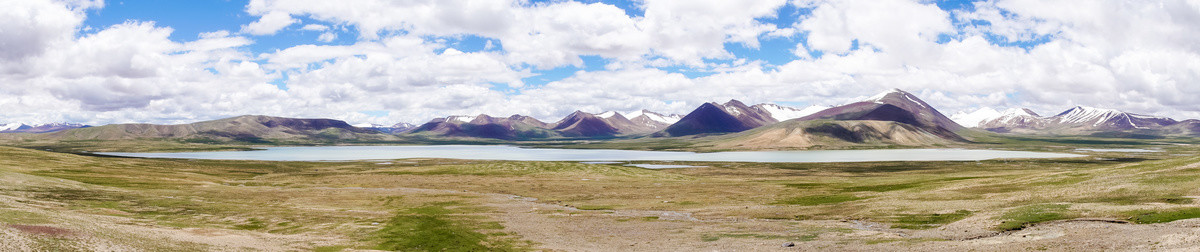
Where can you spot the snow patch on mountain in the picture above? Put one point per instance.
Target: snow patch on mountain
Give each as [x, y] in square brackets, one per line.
[1081, 114]
[607, 114]
[732, 110]
[782, 113]
[367, 125]
[653, 116]
[10, 126]
[878, 98]
[973, 119]
[463, 119]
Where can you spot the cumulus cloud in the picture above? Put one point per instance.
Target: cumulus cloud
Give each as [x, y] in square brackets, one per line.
[1139, 56]
[269, 23]
[314, 27]
[549, 35]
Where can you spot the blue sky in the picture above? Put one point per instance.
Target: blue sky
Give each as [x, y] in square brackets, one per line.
[382, 61]
[191, 18]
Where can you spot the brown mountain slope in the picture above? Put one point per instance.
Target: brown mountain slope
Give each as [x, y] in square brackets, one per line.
[795, 134]
[251, 128]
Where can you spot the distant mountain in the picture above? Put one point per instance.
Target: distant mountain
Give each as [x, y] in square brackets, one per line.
[897, 106]
[515, 127]
[798, 134]
[38, 128]
[733, 116]
[653, 120]
[890, 118]
[625, 125]
[583, 124]
[1077, 120]
[1190, 127]
[394, 129]
[782, 113]
[1013, 118]
[1096, 119]
[251, 128]
[974, 118]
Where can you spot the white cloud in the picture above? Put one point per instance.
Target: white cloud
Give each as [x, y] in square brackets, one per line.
[905, 28]
[30, 27]
[549, 35]
[1139, 56]
[314, 27]
[270, 23]
[327, 37]
[123, 73]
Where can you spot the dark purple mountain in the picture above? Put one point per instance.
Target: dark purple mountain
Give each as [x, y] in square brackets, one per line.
[896, 106]
[582, 124]
[1096, 119]
[40, 128]
[733, 116]
[515, 127]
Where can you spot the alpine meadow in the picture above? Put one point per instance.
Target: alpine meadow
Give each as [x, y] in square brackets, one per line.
[609, 125]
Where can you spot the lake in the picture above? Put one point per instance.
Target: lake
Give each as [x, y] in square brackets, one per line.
[503, 152]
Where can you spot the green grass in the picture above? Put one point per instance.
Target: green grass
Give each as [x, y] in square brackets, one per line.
[805, 185]
[595, 207]
[1024, 216]
[251, 224]
[883, 188]
[815, 200]
[435, 227]
[794, 238]
[1119, 198]
[927, 221]
[1145, 217]
[22, 217]
[335, 248]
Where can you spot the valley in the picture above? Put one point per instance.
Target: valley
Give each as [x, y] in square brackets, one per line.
[60, 194]
[57, 201]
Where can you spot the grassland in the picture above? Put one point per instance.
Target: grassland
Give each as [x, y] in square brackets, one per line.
[63, 201]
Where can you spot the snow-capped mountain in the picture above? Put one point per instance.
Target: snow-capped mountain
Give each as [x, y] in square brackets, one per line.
[1080, 118]
[652, 121]
[1107, 119]
[607, 114]
[653, 116]
[11, 126]
[483, 126]
[974, 118]
[891, 118]
[895, 105]
[38, 128]
[582, 123]
[1013, 118]
[396, 128]
[367, 125]
[733, 116]
[783, 113]
[460, 118]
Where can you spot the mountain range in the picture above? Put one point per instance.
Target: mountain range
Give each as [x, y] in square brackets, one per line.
[894, 117]
[38, 128]
[1076, 120]
[890, 118]
[251, 128]
[514, 127]
[733, 116]
[394, 129]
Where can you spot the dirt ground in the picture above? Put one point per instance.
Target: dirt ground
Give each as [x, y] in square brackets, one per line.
[337, 206]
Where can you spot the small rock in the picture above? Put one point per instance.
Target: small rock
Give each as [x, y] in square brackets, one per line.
[788, 244]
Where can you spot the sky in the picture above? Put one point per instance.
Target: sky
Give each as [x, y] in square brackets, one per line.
[385, 61]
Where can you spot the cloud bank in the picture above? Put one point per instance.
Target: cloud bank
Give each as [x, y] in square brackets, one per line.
[384, 62]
